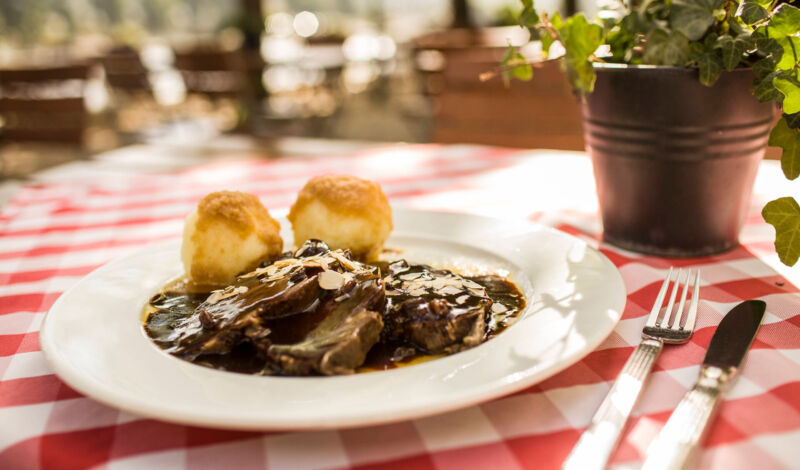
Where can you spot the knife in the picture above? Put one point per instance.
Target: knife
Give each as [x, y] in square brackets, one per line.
[674, 446]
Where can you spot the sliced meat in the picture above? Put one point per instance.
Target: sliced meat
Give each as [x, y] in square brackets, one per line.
[435, 310]
[284, 302]
[240, 312]
[338, 344]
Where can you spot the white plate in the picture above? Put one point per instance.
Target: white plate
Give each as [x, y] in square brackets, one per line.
[93, 338]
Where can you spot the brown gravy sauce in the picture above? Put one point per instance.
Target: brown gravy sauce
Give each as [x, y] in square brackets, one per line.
[179, 298]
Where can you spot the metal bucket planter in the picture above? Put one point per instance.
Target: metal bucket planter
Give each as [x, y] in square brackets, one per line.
[674, 160]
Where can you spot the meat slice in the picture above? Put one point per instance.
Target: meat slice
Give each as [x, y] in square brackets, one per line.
[435, 310]
[239, 312]
[338, 344]
[310, 311]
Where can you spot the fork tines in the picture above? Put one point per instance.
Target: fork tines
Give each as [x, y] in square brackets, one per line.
[655, 320]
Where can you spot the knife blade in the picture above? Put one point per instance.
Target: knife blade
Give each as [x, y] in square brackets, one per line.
[674, 446]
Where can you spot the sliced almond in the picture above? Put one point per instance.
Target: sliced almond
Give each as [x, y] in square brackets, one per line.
[472, 284]
[214, 297]
[478, 293]
[499, 308]
[409, 276]
[346, 263]
[330, 280]
[450, 290]
[460, 300]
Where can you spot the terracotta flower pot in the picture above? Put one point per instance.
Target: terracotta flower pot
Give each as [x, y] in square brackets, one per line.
[674, 160]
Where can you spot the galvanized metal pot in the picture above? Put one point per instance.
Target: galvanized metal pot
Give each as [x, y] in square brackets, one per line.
[674, 160]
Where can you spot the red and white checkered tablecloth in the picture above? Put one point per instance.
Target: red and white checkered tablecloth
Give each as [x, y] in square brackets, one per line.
[52, 234]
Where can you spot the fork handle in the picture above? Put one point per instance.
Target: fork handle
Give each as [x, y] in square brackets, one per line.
[598, 442]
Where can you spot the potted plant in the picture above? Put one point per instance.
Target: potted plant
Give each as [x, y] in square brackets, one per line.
[678, 103]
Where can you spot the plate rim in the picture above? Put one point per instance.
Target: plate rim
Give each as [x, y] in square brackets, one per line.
[482, 393]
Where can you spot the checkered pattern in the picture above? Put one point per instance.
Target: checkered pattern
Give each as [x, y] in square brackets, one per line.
[53, 234]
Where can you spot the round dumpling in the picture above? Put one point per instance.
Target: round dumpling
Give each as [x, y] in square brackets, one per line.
[345, 212]
[230, 232]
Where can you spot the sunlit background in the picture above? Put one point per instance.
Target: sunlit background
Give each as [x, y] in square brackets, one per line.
[106, 73]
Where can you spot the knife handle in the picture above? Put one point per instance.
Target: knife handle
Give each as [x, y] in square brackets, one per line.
[597, 443]
[675, 445]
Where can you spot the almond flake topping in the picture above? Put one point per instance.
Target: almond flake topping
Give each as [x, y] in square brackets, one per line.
[221, 294]
[450, 290]
[417, 292]
[472, 284]
[499, 308]
[346, 263]
[460, 300]
[330, 280]
[478, 293]
[409, 276]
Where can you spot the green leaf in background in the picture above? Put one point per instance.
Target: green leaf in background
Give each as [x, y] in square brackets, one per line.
[765, 91]
[622, 38]
[708, 62]
[516, 66]
[581, 38]
[792, 120]
[663, 48]
[763, 67]
[733, 50]
[790, 45]
[767, 46]
[751, 12]
[547, 41]
[785, 21]
[784, 214]
[791, 95]
[693, 17]
[528, 17]
[789, 140]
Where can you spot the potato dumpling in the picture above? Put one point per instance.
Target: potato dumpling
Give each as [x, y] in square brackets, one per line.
[230, 232]
[345, 212]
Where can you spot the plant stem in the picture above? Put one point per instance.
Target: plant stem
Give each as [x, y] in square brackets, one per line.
[548, 27]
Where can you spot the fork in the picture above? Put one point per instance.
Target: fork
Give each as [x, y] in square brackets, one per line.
[596, 444]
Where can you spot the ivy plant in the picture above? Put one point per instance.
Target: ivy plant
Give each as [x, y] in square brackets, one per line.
[711, 35]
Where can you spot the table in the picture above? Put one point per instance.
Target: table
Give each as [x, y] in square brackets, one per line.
[66, 222]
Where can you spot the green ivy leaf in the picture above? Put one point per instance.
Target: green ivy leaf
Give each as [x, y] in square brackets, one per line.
[693, 17]
[789, 140]
[547, 41]
[785, 21]
[708, 62]
[790, 45]
[768, 46]
[581, 38]
[732, 50]
[516, 66]
[792, 120]
[528, 17]
[791, 95]
[663, 48]
[784, 214]
[765, 91]
[752, 12]
[763, 67]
